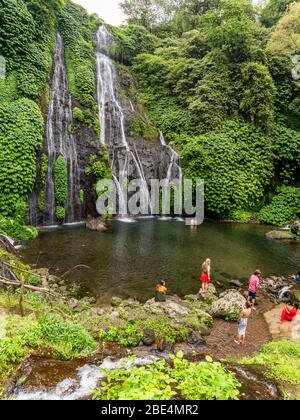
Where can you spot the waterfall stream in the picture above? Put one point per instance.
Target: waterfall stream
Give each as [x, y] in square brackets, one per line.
[61, 142]
[126, 162]
[174, 169]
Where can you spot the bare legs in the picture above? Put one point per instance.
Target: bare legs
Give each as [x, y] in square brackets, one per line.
[204, 286]
[240, 340]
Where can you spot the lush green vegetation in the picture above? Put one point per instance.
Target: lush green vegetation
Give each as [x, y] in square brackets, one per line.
[215, 76]
[49, 335]
[281, 360]
[47, 329]
[99, 165]
[27, 39]
[132, 333]
[21, 134]
[235, 162]
[77, 28]
[27, 43]
[160, 381]
[218, 82]
[284, 207]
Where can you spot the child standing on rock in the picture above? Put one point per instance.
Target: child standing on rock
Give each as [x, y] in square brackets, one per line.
[243, 323]
[205, 275]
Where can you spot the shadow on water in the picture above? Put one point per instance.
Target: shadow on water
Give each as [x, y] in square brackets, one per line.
[130, 258]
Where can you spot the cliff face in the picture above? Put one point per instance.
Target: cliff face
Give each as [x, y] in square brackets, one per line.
[140, 132]
[76, 140]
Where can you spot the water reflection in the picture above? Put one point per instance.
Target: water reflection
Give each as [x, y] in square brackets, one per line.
[130, 258]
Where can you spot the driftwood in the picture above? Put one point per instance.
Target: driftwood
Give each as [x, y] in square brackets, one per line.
[7, 282]
[72, 269]
[6, 245]
[22, 281]
[21, 269]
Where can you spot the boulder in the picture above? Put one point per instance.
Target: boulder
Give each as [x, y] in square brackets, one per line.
[149, 337]
[53, 279]
[116, 301]
[295, 228]
[236, 283]
[195, 339]
[209, 295]
[96, 224]
[73, 303]
[297, 295]
[280, 235]
[230, 304]
[191, 298]
[174, 307]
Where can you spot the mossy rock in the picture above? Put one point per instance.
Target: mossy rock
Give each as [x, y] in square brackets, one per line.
[116, 301]
[297, 295]
[280, 235]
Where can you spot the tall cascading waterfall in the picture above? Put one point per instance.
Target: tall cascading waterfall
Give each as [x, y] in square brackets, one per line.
[61, 142]
[125, 161]
[174, 172]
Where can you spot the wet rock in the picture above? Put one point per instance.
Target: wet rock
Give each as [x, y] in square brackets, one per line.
[297, 295]
[273, 286]
[236, 283]
[174, 307]
[295, 228]
[280, 235]
[149, 337]
[229, 305]
[116, 301]
[204, 330]
[73, 303]
[96, 224]
[52, 279]
[131, 303]
[195, 339]
[209, 295]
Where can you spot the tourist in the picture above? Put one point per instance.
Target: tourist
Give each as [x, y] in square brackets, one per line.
[243, 323]
[160, 292]
[289, 313]
[205, 275]
[297, 278]
[253, 286]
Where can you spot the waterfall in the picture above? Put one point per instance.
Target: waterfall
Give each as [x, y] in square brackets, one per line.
[174, 170]
[125, 159]
[61, 142]
[283, 291]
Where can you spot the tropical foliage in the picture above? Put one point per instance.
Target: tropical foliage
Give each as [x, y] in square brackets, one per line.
[206, 380]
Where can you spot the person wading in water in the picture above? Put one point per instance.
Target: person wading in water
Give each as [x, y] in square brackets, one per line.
[205, 275]
[243, 323]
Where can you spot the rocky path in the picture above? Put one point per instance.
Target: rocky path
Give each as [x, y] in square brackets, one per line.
[289, 330]
[220, 343]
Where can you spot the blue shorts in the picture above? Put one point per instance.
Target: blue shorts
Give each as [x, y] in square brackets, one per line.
[252, 295]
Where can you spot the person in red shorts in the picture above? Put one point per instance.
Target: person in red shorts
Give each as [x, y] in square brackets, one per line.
[205, 275]
[289, 313]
